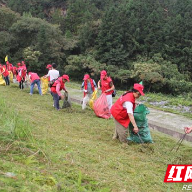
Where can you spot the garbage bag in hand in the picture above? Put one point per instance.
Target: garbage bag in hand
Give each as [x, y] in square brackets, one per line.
[93, 98]
[101, 107]
[10, 76]
[44, 85]
[67, 101]
[140, 114]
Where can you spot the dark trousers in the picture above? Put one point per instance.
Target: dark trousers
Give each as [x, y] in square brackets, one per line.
[21, 86]
[7, 80]
[56, 99]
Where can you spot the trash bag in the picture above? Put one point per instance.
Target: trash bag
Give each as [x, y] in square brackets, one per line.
[140, 114]
[44, 85]
[67, 101]
[11, 76]
[2, 81]
[101, 108]
[93, 98]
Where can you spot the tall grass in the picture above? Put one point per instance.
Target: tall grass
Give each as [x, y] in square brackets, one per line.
[12, 126]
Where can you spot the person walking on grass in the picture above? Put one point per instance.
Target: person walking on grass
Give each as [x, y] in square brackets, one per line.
[21, 74]
[122, 112]
[89, 86]
[5, 73]
[35, 79]
[106, 85]
[57, 86]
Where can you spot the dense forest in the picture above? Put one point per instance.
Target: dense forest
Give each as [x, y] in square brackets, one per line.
[134, 40]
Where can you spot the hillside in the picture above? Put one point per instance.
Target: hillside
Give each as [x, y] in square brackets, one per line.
[133, 40]
[45, 150]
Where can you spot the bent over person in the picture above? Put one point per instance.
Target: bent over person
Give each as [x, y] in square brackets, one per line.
[89, 87]
[57, 86]
[122, 111]
[35, 79]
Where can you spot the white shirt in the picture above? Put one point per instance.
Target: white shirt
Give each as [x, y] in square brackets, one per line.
[53, 74]
[129, 106]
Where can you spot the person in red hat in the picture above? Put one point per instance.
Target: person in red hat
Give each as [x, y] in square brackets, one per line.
[188, 129]
[5, 73]
[9, 66]
[89, 86]
[122, 112]
[106, 85]
[53, 73]
[21, 74]
[57, 86]
[35, 79]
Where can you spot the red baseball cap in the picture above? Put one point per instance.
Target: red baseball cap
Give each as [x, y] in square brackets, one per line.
[103, 73]
[86, 76]
[19, 64]
[139, 88]
[49, 66]
[65, 77]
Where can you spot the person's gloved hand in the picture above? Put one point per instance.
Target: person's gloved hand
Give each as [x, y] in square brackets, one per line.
[135, 130]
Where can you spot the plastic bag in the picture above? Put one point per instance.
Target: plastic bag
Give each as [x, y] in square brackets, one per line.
[101, 108]
[67, 101]
[140, 113]
[44, 85]
[11, 76]
[2, 81]
[93, 98]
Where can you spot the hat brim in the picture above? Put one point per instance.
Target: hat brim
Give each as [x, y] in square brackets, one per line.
[141, 92]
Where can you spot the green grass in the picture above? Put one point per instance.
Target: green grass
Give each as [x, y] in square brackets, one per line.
[72, 150]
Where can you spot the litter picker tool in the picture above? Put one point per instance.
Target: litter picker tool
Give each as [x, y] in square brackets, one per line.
[140, 139]
[179, 143]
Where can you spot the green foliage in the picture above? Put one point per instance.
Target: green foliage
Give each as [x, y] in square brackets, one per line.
[42, 37]
[32, 58]
[149, 73]
[117, 34]
[78, 65]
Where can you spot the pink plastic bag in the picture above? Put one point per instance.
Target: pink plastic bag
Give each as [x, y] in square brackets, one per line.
[101, 108]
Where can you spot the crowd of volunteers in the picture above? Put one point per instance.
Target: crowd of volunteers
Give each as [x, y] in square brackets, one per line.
[121, 111]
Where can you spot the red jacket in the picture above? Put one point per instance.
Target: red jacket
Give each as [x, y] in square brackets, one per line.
[4, 71]
[119, 112]
[33, 77]
[105, 85]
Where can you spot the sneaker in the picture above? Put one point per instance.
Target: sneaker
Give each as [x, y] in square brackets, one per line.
[30, 94]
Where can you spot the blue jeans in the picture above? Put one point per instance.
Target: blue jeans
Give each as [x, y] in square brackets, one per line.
[37, 81]
[6, 80]
[56, 99]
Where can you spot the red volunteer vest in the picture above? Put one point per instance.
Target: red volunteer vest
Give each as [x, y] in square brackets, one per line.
[53, 88]
[34, 77]
[92, 86]
[14, 70]
[5, 71]
[119, 112]
[105, 85]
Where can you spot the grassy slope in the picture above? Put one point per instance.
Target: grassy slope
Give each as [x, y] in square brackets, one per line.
[73, 150]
